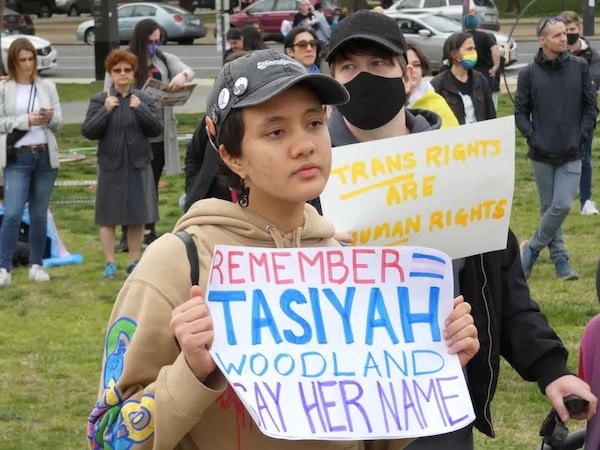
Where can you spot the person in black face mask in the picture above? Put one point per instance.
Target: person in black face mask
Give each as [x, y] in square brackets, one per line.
[367, 54]
[579, 46]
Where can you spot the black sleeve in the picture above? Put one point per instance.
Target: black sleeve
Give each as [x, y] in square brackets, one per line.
[194, 154]
[524, 104]
[528, 342]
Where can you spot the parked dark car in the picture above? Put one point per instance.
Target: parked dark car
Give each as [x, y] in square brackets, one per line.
[17, 23]
[41, 8]
[270, 14]
[73, 7]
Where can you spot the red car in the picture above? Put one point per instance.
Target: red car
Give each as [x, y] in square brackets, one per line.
[270, 14]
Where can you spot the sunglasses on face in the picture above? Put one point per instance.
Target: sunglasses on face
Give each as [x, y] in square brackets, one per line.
[305, 44]
[548, 20]
[122, 70]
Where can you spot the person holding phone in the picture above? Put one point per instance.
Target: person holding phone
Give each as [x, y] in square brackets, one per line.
[31, 105]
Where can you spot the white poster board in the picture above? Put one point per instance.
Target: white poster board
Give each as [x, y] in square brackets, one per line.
[448, 189]
[338, 343]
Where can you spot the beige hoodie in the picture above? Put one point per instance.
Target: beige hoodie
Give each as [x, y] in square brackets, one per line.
[149, 398]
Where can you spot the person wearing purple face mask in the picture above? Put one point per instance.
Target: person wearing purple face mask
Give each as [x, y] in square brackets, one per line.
[167, 68]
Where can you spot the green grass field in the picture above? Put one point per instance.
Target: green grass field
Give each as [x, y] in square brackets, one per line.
[52, 335]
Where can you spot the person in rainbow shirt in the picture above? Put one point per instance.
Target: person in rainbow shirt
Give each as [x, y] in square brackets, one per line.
[466, 91]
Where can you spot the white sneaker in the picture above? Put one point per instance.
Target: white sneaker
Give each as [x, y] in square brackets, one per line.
[36, 273]
[5, 278]
[589, 208]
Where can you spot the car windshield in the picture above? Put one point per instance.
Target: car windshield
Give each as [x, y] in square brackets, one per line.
[328, 4]
[442, 24]
[485, 3]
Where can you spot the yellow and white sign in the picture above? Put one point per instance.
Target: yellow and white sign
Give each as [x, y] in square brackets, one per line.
[448, 189]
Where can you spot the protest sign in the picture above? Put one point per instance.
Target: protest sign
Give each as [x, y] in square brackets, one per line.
[448, 189]
[159, 91]
[338, 343]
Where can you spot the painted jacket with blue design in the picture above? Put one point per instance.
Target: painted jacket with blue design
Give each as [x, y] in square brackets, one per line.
[148, 397]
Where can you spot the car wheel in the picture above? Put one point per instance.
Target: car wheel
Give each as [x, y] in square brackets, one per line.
[73, 11]
[163, 36]
[90, 36]
[45, 11]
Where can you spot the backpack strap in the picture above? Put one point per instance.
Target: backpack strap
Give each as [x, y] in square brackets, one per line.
[192, 254]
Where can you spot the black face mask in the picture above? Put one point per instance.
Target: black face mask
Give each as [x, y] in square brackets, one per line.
[374, 100]
[572, 38]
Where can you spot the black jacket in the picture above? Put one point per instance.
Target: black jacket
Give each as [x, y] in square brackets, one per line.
[122, 128]
[444, 85]
[593, 59]
[510, 324]
[555, 107]
[508, 321]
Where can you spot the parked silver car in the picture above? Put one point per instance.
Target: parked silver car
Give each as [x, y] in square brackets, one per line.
[430, 31]
[485, 10]
[46, 53]
[176, 24]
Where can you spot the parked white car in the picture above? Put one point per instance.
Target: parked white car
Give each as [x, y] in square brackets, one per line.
[430, 31]
[486, 10]
[46, 53]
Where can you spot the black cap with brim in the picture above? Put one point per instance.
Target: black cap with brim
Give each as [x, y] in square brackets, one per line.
[370, 26]
[262, 75]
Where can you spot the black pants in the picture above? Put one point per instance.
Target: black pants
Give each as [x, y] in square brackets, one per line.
[457, 440]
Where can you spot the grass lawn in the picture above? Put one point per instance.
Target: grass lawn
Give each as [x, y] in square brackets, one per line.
[52, 335]
[543, 7]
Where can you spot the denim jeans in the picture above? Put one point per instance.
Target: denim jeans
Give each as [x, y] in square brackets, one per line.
[557, 188]
[29, 179]
[585, 183]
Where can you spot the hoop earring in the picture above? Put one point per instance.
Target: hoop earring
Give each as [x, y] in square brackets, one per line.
[244, 194]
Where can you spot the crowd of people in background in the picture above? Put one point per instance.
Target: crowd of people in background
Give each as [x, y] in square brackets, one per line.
[375, 85]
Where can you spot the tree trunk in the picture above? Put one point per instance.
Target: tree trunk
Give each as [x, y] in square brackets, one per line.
[2, 7]
[185, 4]
[513, 6]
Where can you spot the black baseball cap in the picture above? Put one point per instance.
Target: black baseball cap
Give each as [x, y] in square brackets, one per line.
[370, 26]
[261, 75]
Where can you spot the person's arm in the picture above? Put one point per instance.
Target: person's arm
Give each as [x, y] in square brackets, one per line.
[56, 122]
[180, 72]
[595, 68]
[590, 107]
[194, 155]
[495, 50]
[524, 105]
[147, 115]
[96, 118]
[149, 397]
[529, 343]
[9, 123]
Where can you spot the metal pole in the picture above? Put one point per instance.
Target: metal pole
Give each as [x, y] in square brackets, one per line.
[587, 11]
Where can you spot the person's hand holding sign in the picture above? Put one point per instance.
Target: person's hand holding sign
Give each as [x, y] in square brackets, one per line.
[192, 325]
[460, 333]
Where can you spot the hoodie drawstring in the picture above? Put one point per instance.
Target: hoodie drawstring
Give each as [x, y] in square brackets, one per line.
[278, 236]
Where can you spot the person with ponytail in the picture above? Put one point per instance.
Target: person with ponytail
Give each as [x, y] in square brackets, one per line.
[466, 91]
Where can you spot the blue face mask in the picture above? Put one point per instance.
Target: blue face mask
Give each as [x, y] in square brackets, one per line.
[152, 48]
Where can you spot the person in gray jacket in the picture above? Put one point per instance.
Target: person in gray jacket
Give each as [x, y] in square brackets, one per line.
[167, 68]
[556, 127]
[123, 119]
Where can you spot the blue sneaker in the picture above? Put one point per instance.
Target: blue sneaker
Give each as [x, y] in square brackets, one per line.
[564, 271]
[110, 271]
[528, 258]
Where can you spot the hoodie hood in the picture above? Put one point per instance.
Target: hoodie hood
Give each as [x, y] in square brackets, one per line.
[553, 64]
[228, 223]
[417, 121]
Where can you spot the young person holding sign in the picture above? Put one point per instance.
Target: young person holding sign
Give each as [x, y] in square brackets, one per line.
[160, 388]
[367, 54]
